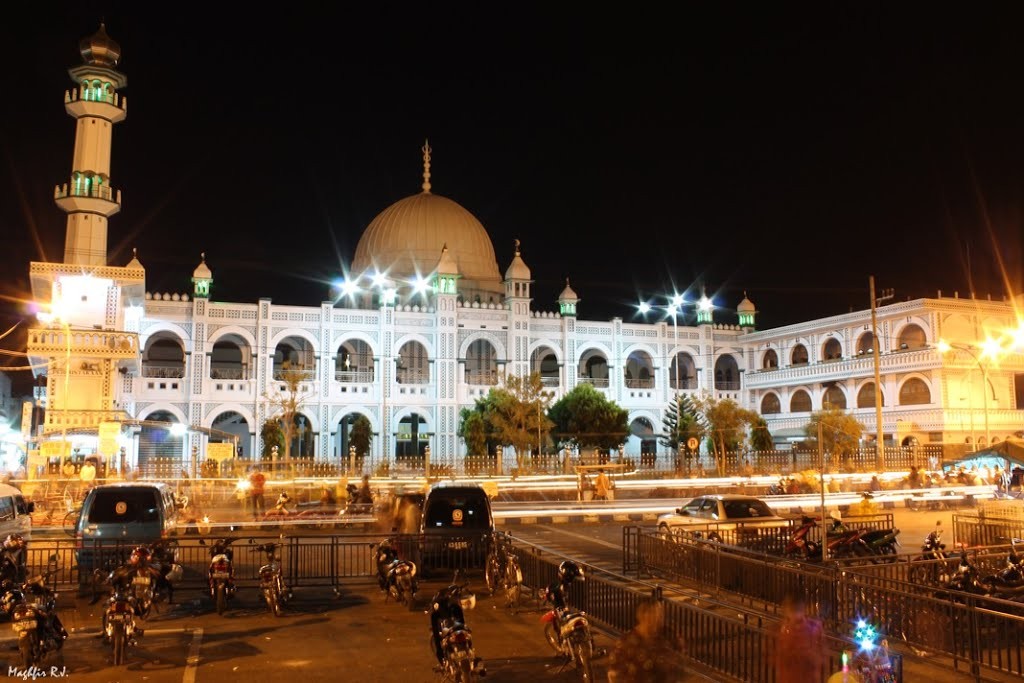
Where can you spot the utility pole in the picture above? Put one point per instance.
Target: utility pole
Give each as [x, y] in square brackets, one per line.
[879, 434]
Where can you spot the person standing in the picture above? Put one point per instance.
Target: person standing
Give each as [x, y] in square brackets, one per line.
[257, 483]
[601, 486]
[87, 475]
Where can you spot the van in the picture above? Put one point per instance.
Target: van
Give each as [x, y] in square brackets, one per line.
[456, 526]
[15, 513]
[123, 515]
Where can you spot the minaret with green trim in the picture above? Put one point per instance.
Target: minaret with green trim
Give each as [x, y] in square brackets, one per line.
[746, 312]
[89, 200]
[567, 301]
[202, 278]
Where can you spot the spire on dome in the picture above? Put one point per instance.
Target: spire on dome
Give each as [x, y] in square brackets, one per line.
[135, 263]
[426, 166]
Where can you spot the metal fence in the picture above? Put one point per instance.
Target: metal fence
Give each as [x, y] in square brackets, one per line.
[733, 643]
[975, 632]
[977, 529]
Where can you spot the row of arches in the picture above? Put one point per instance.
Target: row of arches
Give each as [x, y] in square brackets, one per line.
[913, 391]
[232, 358]
[911, 337]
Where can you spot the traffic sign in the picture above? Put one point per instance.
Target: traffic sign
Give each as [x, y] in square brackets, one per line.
[692, 443]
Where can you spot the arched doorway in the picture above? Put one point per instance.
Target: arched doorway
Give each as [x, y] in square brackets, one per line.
[593, 369]
[343, 439]
[413, 366]
[834, 398]
[231, 358]
[544, 362]
[645, 441]
[295, 354]
[164, 356]
[481, 363]
[639, 371]
[411, 439]
[770, 405]
[161, 439]
[354, 363]
[800, 402]
[685, 377]
[727, 374]
[235, 424]
[866, 396]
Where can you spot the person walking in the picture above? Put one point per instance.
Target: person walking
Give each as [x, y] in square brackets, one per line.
[799, 652]
[257, 483]
[601, 486]
[646, 654]
[87, 475]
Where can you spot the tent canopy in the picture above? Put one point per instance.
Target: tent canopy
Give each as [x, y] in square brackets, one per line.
[1007, 454]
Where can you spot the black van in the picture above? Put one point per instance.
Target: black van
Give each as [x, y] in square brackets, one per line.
[457, 526]
[115, 517]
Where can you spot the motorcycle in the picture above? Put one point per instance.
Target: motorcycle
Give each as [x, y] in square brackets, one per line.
[272, 585]
[221, 574]
[13, 559]
[396, 577]
[150, 571]
[119, 627]
[1009, 582]
[966, 578]
[502, 570]
[567, 631]
[843, 542]
[933, 553]
[881, 541]
[450, 637]
[800, 547]
[33, 610]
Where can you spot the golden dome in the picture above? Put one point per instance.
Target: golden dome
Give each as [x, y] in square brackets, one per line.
[405, 238]
[100, 49]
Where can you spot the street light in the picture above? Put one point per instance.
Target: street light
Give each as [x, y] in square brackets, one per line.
[675, 303]
[990, 347]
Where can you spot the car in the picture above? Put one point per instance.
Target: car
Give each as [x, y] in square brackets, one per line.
[722, 517]
[115, 517]
[456, 526]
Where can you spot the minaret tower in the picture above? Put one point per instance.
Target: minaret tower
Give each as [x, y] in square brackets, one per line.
[89, 200]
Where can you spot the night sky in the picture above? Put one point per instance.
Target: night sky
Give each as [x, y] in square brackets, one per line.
[786, 150]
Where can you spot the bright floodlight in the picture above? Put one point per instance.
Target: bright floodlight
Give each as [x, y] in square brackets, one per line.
[944, 346]
[991, 348]
[704, 304]
[677, 300]
[420, 284]
[348, 287]
[1018, 337]
[178, 429]
[644, 307]
[379, 279]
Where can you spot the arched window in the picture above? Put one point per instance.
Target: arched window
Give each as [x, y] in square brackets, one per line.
[866, 396]
[800, 402]
[770, 360]
[835, 398]
[915, 392]
[727, 374]
[799, 355]
[832, 350]
[865, 344]
[770, 405]
[912, 337]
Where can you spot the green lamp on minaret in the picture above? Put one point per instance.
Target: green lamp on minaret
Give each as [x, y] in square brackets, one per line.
[746, 312]
[446, 274]
[567, 301]
[704, 309]
[202, 278]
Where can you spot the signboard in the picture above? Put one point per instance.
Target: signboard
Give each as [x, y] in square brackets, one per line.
[220, 451]
[51, 449]
[108, 433]
[26, 420]
[692, 443]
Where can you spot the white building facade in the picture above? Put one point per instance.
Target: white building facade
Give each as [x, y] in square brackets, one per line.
[430, 325]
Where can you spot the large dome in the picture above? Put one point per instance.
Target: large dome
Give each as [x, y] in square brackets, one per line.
[406, 239]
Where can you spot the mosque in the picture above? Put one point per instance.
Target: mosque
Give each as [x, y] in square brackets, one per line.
[409, 352]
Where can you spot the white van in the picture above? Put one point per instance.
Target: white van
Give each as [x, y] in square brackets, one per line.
[14, 513]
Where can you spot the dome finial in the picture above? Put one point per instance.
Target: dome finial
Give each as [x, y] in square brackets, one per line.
[426, 166]
[517, 246]
[202, 256]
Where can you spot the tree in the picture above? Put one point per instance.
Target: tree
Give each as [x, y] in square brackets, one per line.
[760, 437]
[517, 414]
[586, 418]
[288, 401]
[840, 432]
[271, 435]
[681, 423]
[727, 424]
[360, 435]
[473, 430]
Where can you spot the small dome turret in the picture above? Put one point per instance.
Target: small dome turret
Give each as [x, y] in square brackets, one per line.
[517, 270]
[135, 262]
[567, 300]
[99, 49]
[746, 311]
[202, 278]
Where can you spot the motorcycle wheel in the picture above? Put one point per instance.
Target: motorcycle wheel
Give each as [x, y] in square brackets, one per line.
[552, 637]
[27, 649]
[581, 656]
[221, 598]
[514, 584]
[274, 603]
[405, 593]
[464, 672]
[119, 644]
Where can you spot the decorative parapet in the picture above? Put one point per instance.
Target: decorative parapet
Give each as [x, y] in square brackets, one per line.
[105, 192]
[834, 370]
[119, 274]
[59, 420]
[93, 343]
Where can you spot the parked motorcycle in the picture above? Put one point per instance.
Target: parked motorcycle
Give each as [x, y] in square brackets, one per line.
[119, 628]
[843, 542]
[799, 546]
[1008, 582]
[221, 573]
[272, 585]
[451, 640]
[567, 630]
[149, 575]
[395, 576]
[33, 610]
[502, 570]
[933, 568]
[882, 542]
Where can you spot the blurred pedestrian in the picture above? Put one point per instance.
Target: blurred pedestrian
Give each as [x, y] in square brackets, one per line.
[601, 486]
[646, 654]
[257, 482]
[799, 652]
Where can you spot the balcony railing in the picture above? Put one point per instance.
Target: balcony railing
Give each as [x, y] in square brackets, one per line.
[87, 190]
[482, 378]
[103, 343]
[683, 384]
[229, 373]
[412, 377]
[163, 372]
[59, 420]
[301, 374]
[549, 381]
[354, 376]
[597, 382]
[644, 383]
[727, 385]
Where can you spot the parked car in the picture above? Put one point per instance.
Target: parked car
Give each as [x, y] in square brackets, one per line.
[456, 526]
[728, 518]
[115, 517]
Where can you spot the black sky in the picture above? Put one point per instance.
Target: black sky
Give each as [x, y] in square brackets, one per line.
[789, 150]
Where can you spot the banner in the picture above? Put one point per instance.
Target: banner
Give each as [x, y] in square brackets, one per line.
[220, 451]
[26, 419]
[108, 433]
[51, 449]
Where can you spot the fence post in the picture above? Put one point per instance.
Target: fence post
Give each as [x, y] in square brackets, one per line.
[972, 611]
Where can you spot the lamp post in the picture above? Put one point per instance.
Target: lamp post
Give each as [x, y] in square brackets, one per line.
[673, 309]
[990, 348]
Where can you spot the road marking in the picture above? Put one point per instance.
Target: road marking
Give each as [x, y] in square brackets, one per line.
[193, 656]
[588, 539]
